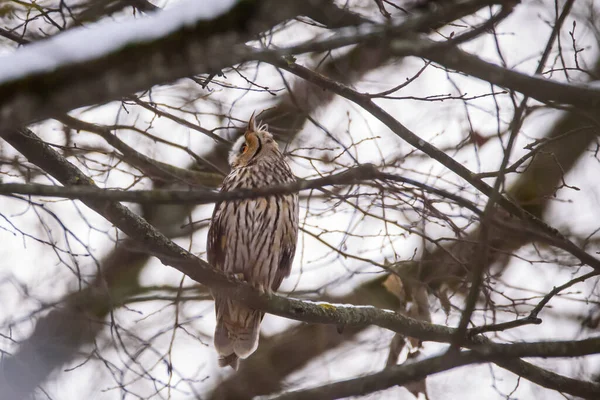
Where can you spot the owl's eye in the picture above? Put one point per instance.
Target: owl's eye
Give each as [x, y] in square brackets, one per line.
[244, 148]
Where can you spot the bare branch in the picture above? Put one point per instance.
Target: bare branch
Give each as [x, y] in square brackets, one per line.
[409, 372]
[444, 159]
[363, 174]
[171, 254]
[210, 46]
[205, 47]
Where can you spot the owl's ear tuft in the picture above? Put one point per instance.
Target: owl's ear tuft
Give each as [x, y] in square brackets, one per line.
[252, 123]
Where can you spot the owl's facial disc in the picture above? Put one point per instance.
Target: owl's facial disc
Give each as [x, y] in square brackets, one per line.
[245, 149]
[257, 143]
[250, 148]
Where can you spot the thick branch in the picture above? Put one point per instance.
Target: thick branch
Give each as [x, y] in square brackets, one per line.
[544, 90]
[403, 374]
[365, 174]
[279, 356]
[208, 46]
[41, 154]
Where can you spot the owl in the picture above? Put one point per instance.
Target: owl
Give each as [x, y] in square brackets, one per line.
[253, 240]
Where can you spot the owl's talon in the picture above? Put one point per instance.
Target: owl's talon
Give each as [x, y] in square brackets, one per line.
[264, 290]
[238, 277]
[261, 289]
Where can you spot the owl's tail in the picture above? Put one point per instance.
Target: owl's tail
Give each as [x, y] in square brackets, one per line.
[237, 331]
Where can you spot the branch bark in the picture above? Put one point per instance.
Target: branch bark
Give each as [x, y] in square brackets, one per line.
[279, 356]
[395, 126]
[41, 154]
[364, 174]
[207, 46]
[403, 374]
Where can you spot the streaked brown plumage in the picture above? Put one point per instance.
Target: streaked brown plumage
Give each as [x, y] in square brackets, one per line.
[252, 239]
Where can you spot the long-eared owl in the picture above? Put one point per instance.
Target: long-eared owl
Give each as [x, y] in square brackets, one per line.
[253, 239]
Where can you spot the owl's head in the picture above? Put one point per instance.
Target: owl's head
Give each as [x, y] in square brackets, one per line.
[254, 146]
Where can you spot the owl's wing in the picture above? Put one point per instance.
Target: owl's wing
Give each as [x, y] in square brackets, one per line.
[288, 246]
[288, 249]
[216, 233]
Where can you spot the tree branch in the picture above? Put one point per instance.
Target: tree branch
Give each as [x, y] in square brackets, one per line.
[544, 90]
[409, 372]
[41, 154]
[154, 169]
[395, 126]
[204, 46]
[208, 46]
[364, 174]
